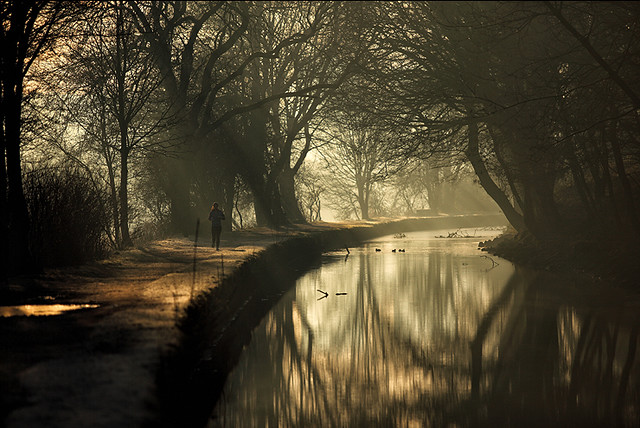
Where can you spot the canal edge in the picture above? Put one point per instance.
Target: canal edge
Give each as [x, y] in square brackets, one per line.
[219, 321]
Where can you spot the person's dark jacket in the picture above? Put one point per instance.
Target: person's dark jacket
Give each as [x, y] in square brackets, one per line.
[216, 216]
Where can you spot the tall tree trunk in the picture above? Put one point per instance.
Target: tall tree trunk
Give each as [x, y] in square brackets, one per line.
[124, 199]
[260, 209]
[28, 26]
[4, 217]
[434, 190]
[277, 216]
[363, 201]
[268, 210]
[581, 185]
[473, 155]
[594, 165]
[286, 182]
[497, 146]
[177, 187]
[113, 189]
[124, 122]
[17, 212]
[266, 202]
[228, 202]
[624, 181]
[114, 204]
[609, 203]
[260, 200]
[547, 215]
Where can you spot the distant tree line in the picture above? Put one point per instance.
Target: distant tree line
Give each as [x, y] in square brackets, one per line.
[162, 107]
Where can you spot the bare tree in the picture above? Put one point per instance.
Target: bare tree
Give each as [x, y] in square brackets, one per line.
[310, 190]
[315, 62]
[128, 83]
[29, 29]
[201, 56]
[522, 93]
[361, 155]
[111, 95]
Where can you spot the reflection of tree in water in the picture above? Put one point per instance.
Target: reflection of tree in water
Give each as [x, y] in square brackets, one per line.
[281, 386]
[563, 362]
[384, 366]
[537, 357]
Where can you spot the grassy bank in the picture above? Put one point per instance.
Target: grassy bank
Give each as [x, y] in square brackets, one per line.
[612, 259]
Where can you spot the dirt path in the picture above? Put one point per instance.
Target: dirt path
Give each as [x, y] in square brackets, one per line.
[96, 367]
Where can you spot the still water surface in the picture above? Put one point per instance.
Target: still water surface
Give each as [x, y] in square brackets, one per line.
[438, 335]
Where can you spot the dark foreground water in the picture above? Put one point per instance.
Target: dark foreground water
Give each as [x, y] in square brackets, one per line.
[438, 335]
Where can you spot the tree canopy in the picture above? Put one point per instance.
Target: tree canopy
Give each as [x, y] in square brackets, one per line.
[167, 106]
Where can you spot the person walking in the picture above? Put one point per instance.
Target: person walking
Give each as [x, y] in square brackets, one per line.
[216, 216]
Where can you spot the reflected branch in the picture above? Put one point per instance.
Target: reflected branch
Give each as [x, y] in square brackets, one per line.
[483, 329]
[626, 371]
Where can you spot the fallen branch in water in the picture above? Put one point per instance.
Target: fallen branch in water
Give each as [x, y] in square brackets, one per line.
[457, 234]
[493, 262]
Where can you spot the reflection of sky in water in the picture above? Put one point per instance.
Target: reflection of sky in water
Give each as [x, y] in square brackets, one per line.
[415, 295]
[41, 310]
[396, 349]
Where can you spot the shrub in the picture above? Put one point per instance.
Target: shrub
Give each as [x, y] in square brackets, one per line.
[68, 217]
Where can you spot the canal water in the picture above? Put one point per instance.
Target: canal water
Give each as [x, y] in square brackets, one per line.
[426, 330]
